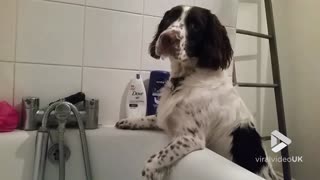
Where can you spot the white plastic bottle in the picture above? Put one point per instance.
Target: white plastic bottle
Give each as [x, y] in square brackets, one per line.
[136, 102]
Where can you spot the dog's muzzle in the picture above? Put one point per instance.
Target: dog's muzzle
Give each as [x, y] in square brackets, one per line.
[168, 43]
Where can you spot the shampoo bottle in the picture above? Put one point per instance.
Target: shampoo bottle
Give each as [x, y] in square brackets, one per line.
[136, 102]
[157, 80]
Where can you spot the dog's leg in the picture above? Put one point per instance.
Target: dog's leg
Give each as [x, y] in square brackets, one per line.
[147, 122]
[178, 148]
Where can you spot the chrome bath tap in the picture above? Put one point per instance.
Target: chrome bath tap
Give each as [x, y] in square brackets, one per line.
[62, 112]
[32, 115]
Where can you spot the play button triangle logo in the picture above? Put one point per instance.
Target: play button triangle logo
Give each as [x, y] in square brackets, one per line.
[284, 141]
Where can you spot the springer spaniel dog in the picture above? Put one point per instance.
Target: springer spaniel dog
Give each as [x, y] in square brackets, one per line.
[199, 107]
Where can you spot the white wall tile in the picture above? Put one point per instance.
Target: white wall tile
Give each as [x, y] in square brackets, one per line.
[173, 3]
[246, 45]
[109, 86]
[248, 16]
[50, 32]
[226, 10]
[6, 81]
[159, 7]
[149, 63]
[81, 2]
[247, 72]
[232, 37]
[249, 96]
[123, 5]
[46, 81]
[112, 39]
[155, 7]
[248, 20]
[8, 29]
[146, 77]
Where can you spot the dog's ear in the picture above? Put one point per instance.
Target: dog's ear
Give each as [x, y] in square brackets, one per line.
[216, 51]
[160, 29]
[152, 46]
[169, 17]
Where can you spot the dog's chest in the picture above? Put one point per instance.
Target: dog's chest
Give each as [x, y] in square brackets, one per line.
[168, 103]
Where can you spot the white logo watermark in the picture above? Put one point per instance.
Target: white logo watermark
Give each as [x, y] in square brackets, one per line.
[280, 159]
[284, 141]
[278, 146]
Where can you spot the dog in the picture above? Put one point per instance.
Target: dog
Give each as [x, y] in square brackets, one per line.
[199, 107]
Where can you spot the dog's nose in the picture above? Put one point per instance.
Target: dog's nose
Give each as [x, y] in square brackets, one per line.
[168, 43]
[168, 39]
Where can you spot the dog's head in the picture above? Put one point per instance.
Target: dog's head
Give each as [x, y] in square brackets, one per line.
[192, 34]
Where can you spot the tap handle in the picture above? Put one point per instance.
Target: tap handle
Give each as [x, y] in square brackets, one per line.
[29, 108]
[92, 107]
[31, 102]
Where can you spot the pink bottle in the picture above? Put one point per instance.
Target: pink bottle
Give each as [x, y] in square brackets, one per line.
[9, 117]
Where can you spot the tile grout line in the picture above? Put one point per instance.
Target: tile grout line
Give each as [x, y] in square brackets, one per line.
[83, 44]
[142, 38]
[110, 68]
[15, 54]
[103, 8]
[76, 66]
[47, 64]
[8, 61]
[79, 66]
[61, 2]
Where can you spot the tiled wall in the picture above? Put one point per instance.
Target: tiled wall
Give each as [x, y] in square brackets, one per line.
[52, 49]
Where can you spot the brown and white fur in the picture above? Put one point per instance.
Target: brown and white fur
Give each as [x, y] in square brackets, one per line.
[199, 108]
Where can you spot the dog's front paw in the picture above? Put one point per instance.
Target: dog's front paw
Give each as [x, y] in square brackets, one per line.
[123, 124]
[151, 174]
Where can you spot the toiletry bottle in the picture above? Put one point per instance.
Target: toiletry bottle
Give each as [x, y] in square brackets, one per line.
[73, 99]
[136, 102]
[157, 80]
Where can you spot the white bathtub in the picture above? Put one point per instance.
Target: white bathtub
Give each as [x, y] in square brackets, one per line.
[115, 155]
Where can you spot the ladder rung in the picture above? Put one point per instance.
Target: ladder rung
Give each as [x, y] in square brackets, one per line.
[266, 138]
[250, 33]
[262, 85]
